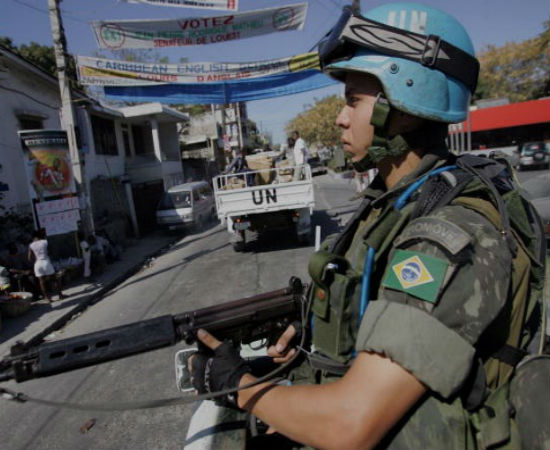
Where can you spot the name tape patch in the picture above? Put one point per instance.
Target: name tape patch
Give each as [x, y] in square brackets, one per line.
[434, 229]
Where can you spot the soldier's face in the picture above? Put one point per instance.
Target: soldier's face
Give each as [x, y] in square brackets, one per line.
[354, 118]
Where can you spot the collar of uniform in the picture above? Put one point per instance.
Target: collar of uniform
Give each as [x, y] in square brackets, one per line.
[430, 161]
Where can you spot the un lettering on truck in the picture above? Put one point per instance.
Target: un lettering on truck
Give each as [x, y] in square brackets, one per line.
[274, 196]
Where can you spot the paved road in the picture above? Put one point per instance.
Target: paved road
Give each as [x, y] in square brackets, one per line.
[199, 270]
[536, 182]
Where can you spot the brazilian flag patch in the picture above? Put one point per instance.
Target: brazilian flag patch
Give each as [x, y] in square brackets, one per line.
[416, 274]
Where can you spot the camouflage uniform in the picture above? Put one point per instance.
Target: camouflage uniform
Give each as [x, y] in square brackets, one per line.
[466, 266]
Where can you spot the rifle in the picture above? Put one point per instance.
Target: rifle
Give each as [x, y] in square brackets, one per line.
[246, 320]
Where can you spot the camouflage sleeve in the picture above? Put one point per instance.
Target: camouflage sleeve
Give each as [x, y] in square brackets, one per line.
[446, 280]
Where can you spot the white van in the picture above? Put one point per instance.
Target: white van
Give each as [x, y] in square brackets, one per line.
[186, 205]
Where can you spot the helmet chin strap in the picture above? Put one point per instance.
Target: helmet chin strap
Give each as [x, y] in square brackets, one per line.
[383, 146]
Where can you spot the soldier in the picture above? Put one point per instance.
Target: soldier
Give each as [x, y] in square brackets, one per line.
[412, 298]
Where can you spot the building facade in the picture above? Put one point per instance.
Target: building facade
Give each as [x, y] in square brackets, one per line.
[210, 141]
[502, 125]
[130, 155]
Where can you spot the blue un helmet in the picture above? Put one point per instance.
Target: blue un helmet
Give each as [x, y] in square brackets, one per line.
[423, 58]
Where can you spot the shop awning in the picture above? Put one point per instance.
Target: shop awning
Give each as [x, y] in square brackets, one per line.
[513, 115]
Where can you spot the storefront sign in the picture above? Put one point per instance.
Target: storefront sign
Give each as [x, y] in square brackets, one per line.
[228, 5]
[121, 34]
[56, 206]
[109, 72]
[60, 223]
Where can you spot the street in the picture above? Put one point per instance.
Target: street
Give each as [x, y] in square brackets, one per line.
[536, 182]
[198, 270]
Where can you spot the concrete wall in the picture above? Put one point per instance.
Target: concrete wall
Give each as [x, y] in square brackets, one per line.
[26, 91]
[169, 141]
[111, 208]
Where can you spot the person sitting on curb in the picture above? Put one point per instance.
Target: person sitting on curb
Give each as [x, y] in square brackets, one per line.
[97, 255]
[4, 279]
[109, 250]
[20, 270]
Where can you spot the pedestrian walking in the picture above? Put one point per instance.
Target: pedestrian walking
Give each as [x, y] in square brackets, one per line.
[43, 267]
[86, 255]
[299, 149]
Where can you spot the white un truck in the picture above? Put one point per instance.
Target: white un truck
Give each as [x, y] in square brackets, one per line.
[265, 199]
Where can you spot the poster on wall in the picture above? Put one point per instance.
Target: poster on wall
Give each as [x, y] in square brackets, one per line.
[50, 180]
[48, 163]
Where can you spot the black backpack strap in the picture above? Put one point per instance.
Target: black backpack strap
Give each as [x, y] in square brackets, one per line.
[509, 355]
[439, 191]
[487, 171]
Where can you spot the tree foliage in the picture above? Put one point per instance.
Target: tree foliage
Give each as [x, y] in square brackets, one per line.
[42, 56]
[517, 71]
[192, 110]
[316, 124]
[256, 139]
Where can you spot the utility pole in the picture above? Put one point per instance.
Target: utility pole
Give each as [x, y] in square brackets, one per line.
[67, 112]
[356, 6]
[239, 125]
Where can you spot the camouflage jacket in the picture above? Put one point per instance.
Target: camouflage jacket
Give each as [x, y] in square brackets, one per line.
[439, 281]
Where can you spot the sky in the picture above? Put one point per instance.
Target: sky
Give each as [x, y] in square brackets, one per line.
[489, 22]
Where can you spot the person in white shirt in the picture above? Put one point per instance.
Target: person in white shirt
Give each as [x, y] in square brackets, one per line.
[300, 149]
[43, 267]
[86, 254]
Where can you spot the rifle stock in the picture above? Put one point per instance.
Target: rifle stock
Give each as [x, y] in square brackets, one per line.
[242, 321]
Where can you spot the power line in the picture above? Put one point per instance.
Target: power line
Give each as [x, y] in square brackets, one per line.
[28, 96]
[31, 6]
[45, 11]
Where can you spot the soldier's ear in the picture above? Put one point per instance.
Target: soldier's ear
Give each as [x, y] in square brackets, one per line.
[401, 122]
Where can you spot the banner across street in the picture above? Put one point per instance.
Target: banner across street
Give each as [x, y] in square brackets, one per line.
[231, 91]
[124, 34]
[109, 72]
[227, 5]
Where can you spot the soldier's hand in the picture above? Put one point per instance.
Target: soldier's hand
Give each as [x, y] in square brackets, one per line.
[217, 367]
[283, 351]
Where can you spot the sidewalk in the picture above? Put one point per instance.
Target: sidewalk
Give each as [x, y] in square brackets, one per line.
[43, 318]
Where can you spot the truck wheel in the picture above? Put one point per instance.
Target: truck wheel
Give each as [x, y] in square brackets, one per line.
[304, 239]
[240, 245]
[200, 224]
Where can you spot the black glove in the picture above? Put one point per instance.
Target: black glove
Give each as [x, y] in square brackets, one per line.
[297, 339]
[217, 370]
